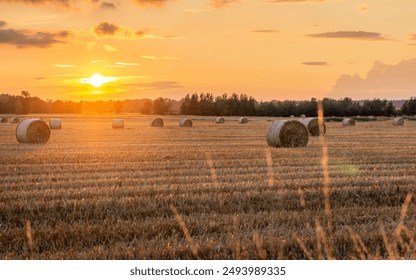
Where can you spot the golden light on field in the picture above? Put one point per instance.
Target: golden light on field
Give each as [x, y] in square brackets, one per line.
[97, 80]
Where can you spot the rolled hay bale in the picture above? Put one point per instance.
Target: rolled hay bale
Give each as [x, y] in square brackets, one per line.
[312, 124]
[15, 120]
[185, 123]
[3, 120]
[348, 122]
[303, 116]
[398, 121]
[118, 123]
[157, 122]
[287, 133]
[33, 130]
[220, 120]
[243, 120]
[55, 123]
[292, 116]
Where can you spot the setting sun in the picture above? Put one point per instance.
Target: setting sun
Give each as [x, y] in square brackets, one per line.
[97, 80]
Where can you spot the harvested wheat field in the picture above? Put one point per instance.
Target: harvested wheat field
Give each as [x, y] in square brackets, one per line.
[210, 192]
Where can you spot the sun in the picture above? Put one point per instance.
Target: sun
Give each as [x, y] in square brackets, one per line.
[97, 80]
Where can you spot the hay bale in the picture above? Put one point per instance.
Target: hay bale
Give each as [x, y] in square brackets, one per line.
[398, 121]
[157, 122]
[312, 125]
[185, 123]
[118, 123]
[220, 120]
[243, 120]
[303, 116]
[15, 120]
[33, 131]
[4, 120]
[348, 122]
[292, 116]
[55, 123]
[287, 134]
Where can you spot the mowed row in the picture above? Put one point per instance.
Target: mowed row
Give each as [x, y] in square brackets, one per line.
[93, 192]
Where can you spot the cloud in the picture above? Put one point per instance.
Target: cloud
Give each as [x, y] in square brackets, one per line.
[152, 2]
[315, 63]
[355, 35]
[157, 85]
[152, 57]
[111, 30]
[105, 29]
[127, 63]
[162, 37]
[382, 81]
[60, 3]
[110, 48]
[2, 23]
[295, 1]
[222, 3]
[23, 38]
[413, 37]
[64, 65]
[108, 6]
[264, 31]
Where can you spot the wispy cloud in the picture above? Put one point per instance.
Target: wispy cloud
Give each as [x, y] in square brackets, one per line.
[110, 48]
[222, 3]
[64, 65]
[127, 63]
[156, 85]
[355, 35]
[157, 3]
[108, 5]
[24, 38]
[295, 1]
[2, 23]
[162, 37]
[315, 63]
[264, 31]
[413, 37]
[152, 57]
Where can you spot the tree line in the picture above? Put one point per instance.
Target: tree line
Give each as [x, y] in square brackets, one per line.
[207, 104]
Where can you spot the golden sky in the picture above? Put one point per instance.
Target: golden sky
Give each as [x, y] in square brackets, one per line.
[282, 49]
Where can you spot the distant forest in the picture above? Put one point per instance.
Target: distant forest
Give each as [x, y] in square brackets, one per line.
[207, 104]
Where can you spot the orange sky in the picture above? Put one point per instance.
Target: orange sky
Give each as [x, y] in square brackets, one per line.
[282, 49]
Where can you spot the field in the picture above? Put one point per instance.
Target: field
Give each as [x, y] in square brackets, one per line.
[208, 192]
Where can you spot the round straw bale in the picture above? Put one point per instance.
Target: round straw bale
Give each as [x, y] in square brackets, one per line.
[185, 123]
[398, 121]
[303, 116]
[243, 120]
[292, 116]
[33, 131]
[55, 123]
[348, 122]
[15, 120]
[157, 122]
[287, 134]
[4, 120]
[118, 123]
[220, 120]
[312, 125]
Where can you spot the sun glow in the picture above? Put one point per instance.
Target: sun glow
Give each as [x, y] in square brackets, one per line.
[97, 80]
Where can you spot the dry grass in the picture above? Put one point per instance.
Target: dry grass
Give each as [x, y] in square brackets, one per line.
[211, 192]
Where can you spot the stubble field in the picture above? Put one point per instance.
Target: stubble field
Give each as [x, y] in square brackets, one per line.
[208, 192]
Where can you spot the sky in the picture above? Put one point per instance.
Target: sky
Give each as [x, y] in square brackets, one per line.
[268, 49]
